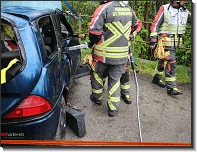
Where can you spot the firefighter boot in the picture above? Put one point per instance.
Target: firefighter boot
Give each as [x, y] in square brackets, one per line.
[111, 113]
[173, 91]
[158, 81]
[126, 99]
[98, 102]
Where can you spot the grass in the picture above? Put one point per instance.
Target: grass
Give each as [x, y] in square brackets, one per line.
[84, 52]
[183, 74]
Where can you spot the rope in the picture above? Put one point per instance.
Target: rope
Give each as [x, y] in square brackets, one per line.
[72, 10]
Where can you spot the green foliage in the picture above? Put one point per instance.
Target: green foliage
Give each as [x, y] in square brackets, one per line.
[183, 74]
[83, 7]
[84, 52]
[145, 66]
[184, 56]
[145, 11]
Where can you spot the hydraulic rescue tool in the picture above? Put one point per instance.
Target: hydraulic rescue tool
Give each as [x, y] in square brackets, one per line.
[84, 69]
[133, 64]
[82, 46]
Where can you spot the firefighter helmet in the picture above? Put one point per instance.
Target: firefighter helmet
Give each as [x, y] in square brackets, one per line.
[103, 2]
[178, 2]
[174, 1]
[126, 2]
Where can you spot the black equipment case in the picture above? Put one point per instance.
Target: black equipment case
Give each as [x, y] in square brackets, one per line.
[75, 120]
[83, 70]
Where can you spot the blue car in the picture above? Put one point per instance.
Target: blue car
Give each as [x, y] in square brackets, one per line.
[35, 87]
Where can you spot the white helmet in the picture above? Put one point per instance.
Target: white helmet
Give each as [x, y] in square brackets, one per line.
[125, 2]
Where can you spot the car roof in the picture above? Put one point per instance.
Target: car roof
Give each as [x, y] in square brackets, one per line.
[28, 13]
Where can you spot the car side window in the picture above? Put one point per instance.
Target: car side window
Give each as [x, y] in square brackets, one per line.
[48, 35]
[64, 31]
[8, 37]
[9, 45]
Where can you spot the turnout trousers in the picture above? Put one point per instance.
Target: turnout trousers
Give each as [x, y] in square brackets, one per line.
[114, 73]
[125, 83]
[170, 68]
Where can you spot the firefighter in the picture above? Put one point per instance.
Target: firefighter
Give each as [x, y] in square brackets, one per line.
[109, 31]
[169, 26]
[125, 79]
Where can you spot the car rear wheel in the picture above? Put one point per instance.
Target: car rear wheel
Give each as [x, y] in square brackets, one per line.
[61, 129]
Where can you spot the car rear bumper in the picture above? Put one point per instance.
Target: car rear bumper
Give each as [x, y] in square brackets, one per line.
[39, 129]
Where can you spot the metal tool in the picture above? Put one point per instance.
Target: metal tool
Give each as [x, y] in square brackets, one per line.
[82, 46]
[133, 64]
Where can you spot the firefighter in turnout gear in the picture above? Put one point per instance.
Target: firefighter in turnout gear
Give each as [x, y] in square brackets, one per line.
[125, 78]
[169, 26]
[109, 31]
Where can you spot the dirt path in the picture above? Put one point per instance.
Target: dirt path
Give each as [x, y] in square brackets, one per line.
[163, 118]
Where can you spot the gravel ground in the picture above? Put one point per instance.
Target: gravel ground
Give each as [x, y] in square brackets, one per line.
[163, 118]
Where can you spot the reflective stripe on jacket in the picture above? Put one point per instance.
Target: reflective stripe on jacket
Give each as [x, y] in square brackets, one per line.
[171, 22]
[170, 41]
[113, 21]
[175, 20]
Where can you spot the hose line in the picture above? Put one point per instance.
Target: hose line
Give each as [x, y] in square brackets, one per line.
[138, 114]
[137, 93]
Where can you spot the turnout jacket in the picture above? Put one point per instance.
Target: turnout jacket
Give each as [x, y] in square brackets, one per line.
[169, 25]
[112, 23]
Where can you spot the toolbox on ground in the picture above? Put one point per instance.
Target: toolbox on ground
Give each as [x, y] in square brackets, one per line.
[75, 120]
[83, 70]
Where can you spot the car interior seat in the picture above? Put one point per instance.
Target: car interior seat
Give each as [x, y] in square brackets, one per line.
[8, 54]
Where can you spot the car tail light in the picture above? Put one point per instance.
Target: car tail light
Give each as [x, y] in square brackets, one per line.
[32, 105]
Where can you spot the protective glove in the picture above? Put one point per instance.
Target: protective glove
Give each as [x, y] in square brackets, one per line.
[88, 59]
[153, 41]
[90, 44]
[93, 39]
